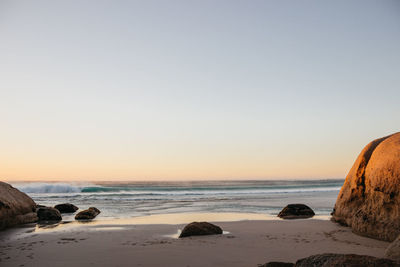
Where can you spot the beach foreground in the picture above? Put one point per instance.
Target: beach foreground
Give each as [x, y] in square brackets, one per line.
[245, 243]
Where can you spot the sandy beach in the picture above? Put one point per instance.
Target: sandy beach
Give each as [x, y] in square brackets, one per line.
[117, 243]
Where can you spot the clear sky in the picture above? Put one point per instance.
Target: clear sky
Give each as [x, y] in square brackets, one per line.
[145, 90]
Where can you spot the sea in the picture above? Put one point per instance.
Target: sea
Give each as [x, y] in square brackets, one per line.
[134, 199]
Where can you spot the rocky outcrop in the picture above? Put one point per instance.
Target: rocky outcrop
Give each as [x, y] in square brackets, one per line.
[393, 250]
[369, 201]
[338, 260]
[15, 207]
[200, 228]
[88, 214]
[296, 211]
[48, 214]
[66, 208]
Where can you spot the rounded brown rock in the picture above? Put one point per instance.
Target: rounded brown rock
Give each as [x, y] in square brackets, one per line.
[369, 200]
[200, 228]
[66, 208]
[88, 214]
[48, 214]
[296, 211]
[15, 207]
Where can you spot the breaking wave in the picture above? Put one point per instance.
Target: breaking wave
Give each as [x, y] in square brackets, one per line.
[43, 188]
[48, 188]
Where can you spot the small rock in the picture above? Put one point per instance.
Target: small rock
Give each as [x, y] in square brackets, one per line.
[393, 250]
[200, 228]
[66, 208]
[88, 214]
[296, 211]
[330, 259]
[277, 264]
[48, 214]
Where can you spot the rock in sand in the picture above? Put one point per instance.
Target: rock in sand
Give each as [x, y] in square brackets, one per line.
[336, 260]
[369, 201]
[277, 264]
[15, 207]
[48, 214]
[200, 228]
[393, 250]
[296, 211]
[339, 260]
[88, 214]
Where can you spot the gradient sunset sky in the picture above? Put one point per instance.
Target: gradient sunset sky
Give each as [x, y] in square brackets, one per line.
[142, 90]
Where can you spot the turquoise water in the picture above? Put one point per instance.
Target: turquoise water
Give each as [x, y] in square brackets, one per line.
[124, 200]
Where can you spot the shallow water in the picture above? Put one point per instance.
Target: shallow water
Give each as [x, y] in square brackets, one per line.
[178, 219]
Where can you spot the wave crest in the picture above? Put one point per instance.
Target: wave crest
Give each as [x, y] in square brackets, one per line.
[48, 188]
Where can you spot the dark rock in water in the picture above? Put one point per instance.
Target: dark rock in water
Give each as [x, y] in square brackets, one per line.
[296, 211]
[393, 250]
[15, 207]
[339, 260]
[48, 214]
[369, 201]
[277, 264]
[200, 228]
[66, 208]
[40, 206]
[88, 214]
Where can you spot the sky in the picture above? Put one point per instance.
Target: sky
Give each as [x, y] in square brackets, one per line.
[192, 90]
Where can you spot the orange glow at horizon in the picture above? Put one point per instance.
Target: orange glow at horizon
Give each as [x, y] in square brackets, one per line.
[169, 169]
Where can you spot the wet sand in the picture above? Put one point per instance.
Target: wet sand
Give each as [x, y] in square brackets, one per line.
[121, 243]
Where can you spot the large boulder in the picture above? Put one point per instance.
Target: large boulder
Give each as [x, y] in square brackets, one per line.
[296, 211]
[369, 201]
[340, 260]
[393, 250]
[200, 228]
[66, 208]
[48, 214]
[15, 207]
[88, 214]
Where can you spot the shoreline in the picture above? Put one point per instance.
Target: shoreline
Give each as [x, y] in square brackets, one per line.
[135, 199]
[245, 243]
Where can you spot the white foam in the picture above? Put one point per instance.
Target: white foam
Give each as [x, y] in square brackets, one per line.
[48, 188]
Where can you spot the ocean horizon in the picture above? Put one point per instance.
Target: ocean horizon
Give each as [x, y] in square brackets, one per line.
[134, 199]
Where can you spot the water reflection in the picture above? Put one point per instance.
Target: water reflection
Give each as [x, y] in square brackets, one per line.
[46, 226]
[49, 224]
